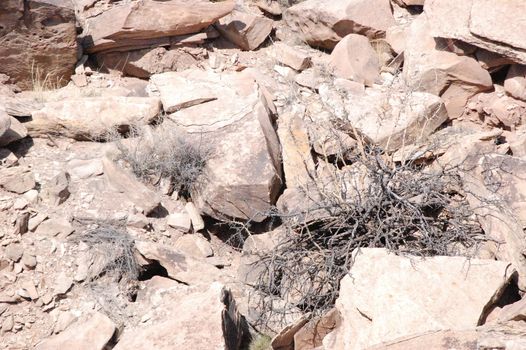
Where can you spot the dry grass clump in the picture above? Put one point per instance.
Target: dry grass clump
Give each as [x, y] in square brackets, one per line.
[41, 82]
[363, 199]
[165, 153]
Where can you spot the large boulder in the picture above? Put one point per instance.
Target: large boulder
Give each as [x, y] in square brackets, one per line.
[355, 59]
[184, 318]
[386, 296]
[229, 114]
[38, 42]
[428, 68]
[246, 30]
[92, 118]
[324, 23]
[495, 26]
[150, 23]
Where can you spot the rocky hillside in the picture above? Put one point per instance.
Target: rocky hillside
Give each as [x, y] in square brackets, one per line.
[262, 174]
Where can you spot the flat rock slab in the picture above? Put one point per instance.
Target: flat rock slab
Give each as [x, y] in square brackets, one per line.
[92, 118]
[494, 26]
[324, 23]
[148, 21]
[386, 296]
[187, 318]
[179, 266]
[17, 179]
[228, 114]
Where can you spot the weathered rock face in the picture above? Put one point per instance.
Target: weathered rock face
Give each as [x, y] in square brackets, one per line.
[179, 316]
[148, 23]
[228, 113]
[492, 179]
[462, 340]
[92, 117]
[454, 78]
[483, 23]
[144, 63]
[386, 296]
[92, 333]
[498, 109]
[354, 58]
[246, 30]
[324, 24]
[38, 42]
[394, 119]
[180, 267]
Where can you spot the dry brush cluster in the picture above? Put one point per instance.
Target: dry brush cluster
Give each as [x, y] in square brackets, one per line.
[165, 153]
[364, 200]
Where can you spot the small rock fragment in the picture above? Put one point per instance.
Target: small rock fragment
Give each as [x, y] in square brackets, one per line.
[29, 260]
[21, 224]
[194, 245]
[56, 191]
[35, 221]
[14, 252]
[197, 221]
[63, 283]
[290, 56]
[180, 221]
[55, 227]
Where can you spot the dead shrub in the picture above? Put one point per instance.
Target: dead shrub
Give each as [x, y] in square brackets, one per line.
[113, 271]
[165, 153]
[359, 198]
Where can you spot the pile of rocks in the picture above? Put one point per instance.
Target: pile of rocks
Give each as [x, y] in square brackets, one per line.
[276, 93]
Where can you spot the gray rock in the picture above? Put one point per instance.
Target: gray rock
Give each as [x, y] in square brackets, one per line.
[56, 191]
[17, 179]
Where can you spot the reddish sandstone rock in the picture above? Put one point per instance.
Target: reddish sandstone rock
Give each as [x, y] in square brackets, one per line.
[322, 23]
[38, 42]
